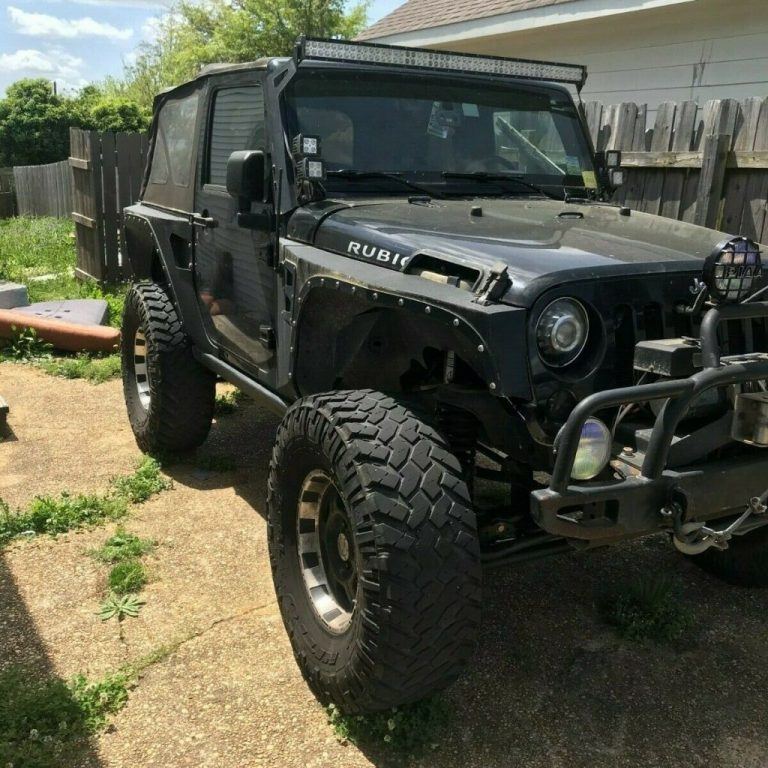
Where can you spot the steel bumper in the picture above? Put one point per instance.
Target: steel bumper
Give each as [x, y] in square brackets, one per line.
[606, 512]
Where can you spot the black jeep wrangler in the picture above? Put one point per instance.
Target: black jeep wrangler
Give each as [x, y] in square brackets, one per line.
[478, 360]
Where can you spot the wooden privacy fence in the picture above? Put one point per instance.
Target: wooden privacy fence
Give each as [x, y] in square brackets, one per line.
[107, 169]
[7, 194]
[43, 190]
[707, 165]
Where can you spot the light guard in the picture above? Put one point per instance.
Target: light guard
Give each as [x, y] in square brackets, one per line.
[373, 53]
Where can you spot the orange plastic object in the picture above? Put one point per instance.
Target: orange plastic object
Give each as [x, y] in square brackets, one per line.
[62, 335]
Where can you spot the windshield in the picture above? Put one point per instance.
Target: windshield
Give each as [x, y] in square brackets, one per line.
[435, 131]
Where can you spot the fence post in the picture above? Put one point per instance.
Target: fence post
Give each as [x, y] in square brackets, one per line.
[712, 180]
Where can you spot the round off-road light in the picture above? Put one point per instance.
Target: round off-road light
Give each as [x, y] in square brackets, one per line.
[594, 451]
[562, 331]
[733, 270]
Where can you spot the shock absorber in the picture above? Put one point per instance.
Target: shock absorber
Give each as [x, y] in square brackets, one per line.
[459, 427]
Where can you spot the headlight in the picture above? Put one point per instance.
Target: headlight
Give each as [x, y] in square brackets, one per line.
[562, 332]
[734, 270]
[594, 451]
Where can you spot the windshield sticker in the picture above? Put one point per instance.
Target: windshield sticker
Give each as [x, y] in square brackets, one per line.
[373, 253]
[470, 110]
[443, 120]
[590, 180]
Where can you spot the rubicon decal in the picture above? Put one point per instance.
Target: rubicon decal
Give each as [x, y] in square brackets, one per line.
[374, 253]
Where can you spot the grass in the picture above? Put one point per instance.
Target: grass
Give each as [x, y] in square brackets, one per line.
[53, 515]
[647, 608]
[144, 483]
[409, 730]
[40, 253]
[127, 577]
[34, 248]
[45, 723]
[227, 403]
[94, 368]
[123, 546]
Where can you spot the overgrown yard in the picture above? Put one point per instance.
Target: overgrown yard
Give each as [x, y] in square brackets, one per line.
[197, 670]
[40, 253]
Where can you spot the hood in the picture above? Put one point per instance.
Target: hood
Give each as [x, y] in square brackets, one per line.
[542, 242]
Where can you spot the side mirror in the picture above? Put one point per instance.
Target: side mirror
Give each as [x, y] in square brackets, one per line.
[245, 175]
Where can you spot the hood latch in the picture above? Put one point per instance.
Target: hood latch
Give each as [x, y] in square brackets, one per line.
[495, 284]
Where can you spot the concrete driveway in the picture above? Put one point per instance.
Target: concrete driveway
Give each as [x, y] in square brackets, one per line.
[550, 685]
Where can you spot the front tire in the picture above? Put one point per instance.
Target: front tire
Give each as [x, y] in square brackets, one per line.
[357, 480]
[168, 394]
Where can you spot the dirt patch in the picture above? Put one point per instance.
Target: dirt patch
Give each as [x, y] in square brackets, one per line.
[550, 685]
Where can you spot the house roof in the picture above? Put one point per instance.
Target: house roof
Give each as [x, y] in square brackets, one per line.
[422, 14]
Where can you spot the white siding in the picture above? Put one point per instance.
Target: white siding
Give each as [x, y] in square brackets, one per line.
[698, 50]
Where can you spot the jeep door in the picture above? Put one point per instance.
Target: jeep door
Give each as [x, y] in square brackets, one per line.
[234, 276]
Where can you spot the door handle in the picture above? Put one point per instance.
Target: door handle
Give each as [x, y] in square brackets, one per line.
[204, 222]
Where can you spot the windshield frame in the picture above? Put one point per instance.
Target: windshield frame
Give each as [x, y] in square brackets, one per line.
[455, 187]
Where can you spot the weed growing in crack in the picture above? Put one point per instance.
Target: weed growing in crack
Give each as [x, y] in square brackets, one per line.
[55, 515]
[122, 546]
[120, 608]
[144, 483]
[127, 577]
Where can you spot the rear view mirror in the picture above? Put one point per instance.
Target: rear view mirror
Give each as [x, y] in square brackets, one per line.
[245, 175]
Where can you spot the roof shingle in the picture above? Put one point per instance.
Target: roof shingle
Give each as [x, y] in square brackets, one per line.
[421, 14]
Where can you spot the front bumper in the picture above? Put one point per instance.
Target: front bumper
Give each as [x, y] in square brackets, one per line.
[607, 512]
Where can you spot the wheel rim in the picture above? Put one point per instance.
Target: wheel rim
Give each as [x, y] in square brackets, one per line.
[327, 552]
[140, 368]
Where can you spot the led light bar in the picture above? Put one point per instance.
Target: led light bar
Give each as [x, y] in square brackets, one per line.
[374, 53]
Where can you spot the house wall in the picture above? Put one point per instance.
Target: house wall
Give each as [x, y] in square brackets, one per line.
[700, 50]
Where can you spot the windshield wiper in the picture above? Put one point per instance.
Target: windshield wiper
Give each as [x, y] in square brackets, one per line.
[500, 179]
[350, 173]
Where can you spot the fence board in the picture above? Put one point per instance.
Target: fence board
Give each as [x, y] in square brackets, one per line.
[754, 221]
[111, 222]
[683, 169]
[43, 190]
[108, 169]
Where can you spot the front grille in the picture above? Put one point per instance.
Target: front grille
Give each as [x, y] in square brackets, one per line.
[641, 318]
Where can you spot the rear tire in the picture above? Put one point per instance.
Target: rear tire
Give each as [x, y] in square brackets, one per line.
[168, 394]
[743, 564]
[410, 626]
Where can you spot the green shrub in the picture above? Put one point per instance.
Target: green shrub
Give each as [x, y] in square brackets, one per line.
[122, 546]
[145, 482]
[409, 730]
[127, 577]
[646, 608]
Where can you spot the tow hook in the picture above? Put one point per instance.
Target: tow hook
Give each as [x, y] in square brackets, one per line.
[693, 538]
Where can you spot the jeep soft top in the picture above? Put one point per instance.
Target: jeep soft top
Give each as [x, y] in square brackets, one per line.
[411, 257]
